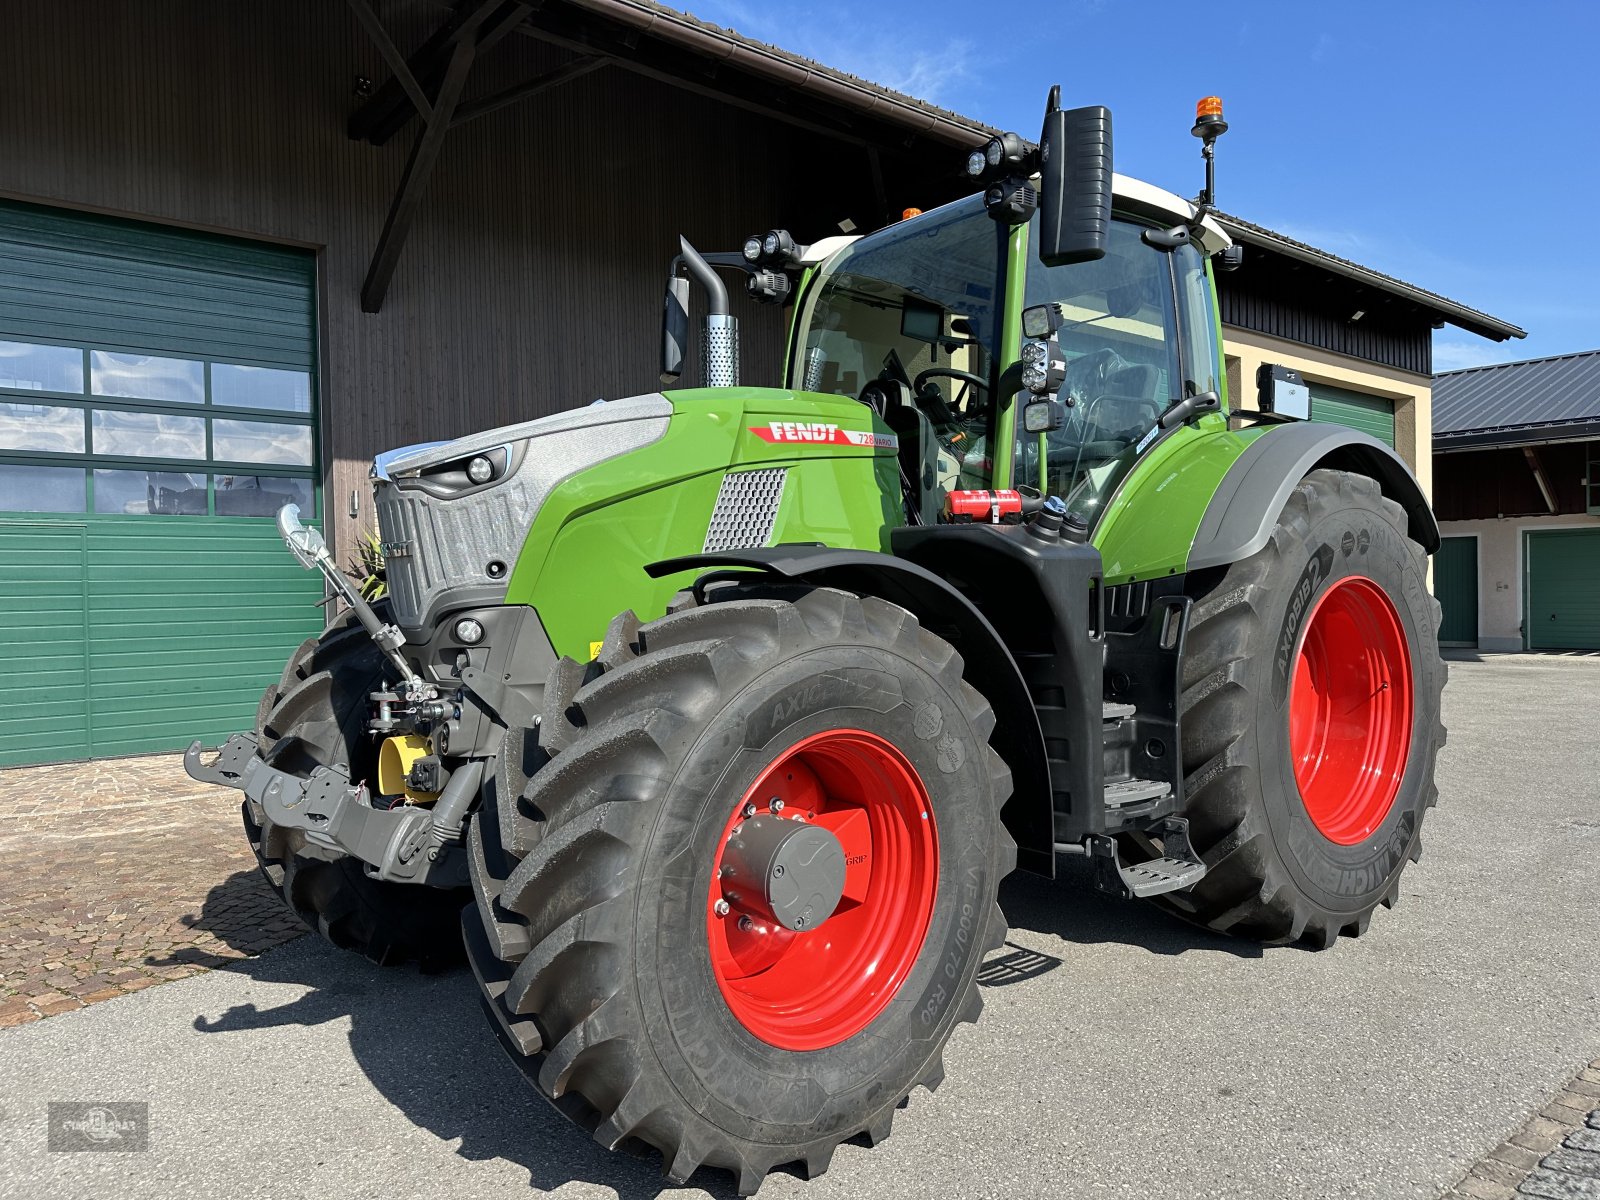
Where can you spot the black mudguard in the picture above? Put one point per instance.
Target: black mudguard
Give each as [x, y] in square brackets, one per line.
[1246, 505]
[989, 665]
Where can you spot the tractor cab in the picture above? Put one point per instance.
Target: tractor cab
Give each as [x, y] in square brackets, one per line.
[926, 322]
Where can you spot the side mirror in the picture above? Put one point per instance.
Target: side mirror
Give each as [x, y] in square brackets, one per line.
[674, 327]
[1075, 183]
[305, 543]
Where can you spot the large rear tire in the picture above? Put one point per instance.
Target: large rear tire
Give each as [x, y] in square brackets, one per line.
[315, 716]
[619, 975]
[1310, 720]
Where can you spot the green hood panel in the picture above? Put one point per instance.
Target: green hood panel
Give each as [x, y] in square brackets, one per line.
[583, 560]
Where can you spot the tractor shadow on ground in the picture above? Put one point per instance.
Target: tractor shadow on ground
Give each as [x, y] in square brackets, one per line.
[425, 1044]
[1069, 908]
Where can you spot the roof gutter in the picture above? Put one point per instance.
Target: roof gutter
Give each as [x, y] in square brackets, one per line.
[1582, 430]
[787, 70]
[1460, 315]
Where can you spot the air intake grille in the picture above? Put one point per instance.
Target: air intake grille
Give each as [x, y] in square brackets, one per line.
[747, 509]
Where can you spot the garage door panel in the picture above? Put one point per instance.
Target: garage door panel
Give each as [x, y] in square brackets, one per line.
[138, 633]
[49, 714]
[1563, 589]
[1371, 414]
[1455, 584]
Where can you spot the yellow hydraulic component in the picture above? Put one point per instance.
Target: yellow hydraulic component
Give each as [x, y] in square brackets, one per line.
[395, 757]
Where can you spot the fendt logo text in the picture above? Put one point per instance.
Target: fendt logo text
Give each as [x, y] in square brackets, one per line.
[822, 433]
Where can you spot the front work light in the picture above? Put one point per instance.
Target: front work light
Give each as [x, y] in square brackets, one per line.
[977, 164]
[752, 248]
[468, 631]
[480, 470]
[1044, 367]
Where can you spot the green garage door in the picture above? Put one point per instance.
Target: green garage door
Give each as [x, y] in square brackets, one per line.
[1370, 414]
[157, 405]
[1455, 583]
[1563, 589]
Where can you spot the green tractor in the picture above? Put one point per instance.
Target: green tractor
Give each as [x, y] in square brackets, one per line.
[726, 711]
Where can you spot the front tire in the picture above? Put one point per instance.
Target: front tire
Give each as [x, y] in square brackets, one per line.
[316, 715]
[1310, 720]
[650, 1011]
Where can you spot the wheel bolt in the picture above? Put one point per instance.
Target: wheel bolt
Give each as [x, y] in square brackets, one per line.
[799, 922]
[777, 806]
[777, 869]
[746, 924]
[720, 908]
[750, 808]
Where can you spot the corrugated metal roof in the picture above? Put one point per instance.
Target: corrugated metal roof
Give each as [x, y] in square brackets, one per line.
[1538, 392]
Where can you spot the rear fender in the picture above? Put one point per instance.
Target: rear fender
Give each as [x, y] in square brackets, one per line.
[988, 664]
[1245, 507]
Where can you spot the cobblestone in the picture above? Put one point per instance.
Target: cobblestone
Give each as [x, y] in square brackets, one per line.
[1554, 1156]
[120, 874]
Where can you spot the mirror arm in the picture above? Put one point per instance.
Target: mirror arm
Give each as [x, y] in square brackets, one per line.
[1188, 408]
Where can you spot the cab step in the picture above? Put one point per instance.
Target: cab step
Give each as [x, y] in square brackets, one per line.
[1116, 712]
[1124, 792]
[1179, 868]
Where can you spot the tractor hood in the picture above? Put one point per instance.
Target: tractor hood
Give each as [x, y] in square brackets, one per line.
[413, 460]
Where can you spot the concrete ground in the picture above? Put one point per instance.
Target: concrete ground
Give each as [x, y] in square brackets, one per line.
[1119, 1055]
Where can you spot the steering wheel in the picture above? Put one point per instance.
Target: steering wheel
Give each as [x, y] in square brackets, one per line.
[977, 381]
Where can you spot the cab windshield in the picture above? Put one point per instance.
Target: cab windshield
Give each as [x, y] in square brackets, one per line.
[915, 308]
[1124, 320]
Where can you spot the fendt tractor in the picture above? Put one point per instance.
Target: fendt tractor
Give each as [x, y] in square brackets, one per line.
[726, 710]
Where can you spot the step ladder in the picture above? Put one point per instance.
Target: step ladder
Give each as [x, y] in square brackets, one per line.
[1178, 868]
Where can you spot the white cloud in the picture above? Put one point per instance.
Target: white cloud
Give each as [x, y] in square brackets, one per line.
[840, 37]
[1455, 356]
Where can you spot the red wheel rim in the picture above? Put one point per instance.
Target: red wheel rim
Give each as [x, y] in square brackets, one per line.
[812, 989]
[1350, 710]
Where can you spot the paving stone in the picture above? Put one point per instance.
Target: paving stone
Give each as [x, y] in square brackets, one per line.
[1554, 1185]
[1594, 1119]
[1566, 1109]
[1485, 1189]
[1573, 1162]
[1584, 1087]
[1498, 1171]
[1583, 1139]
[1542, 1134]
[1518, 1157]
[114, 868]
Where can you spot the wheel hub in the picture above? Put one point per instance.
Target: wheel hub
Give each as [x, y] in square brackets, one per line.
[782, 870]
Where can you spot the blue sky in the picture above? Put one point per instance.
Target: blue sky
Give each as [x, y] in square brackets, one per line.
[1454, 145]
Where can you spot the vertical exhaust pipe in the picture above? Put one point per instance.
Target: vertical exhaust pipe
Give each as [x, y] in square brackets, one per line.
[719, 344]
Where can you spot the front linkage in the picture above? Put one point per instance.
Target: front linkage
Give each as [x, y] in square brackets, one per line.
[337, 816]
[401, 845]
